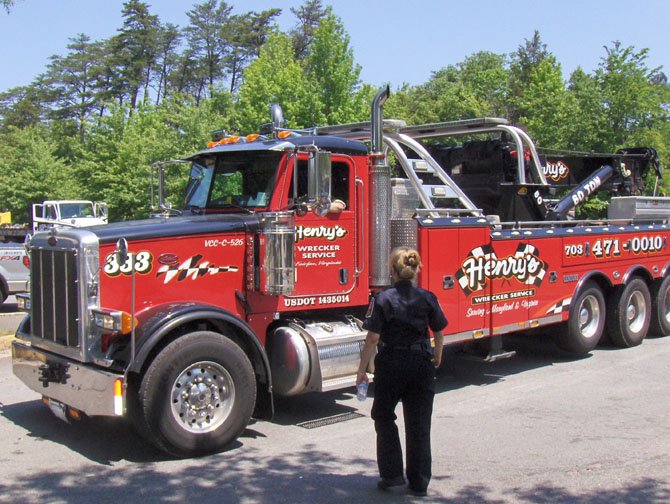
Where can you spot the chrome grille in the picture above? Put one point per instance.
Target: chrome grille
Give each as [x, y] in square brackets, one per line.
[54, 295]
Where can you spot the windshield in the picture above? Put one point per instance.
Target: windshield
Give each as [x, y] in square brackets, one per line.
[74, 210]
[232, 180]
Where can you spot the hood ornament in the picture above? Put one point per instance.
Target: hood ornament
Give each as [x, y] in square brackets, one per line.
[52, 237]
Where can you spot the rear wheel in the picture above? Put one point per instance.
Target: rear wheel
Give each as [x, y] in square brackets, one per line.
[629, 313]
[585, 325]
[197, 396]
[660, 307]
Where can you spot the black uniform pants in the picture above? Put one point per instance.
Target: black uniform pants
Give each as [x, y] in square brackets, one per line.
[408, 377]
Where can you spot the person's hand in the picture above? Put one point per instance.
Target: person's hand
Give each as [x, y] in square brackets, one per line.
[437, 361]
[361, 377]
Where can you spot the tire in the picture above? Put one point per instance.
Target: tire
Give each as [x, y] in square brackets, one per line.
[629, 313]
[660, 307]
[197, 396]
[586, 323]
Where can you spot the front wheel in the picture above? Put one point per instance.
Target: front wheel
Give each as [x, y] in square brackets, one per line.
[585, 325]
[629, 313]
[197, 396]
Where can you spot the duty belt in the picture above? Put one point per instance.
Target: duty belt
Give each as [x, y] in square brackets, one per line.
[422, 346]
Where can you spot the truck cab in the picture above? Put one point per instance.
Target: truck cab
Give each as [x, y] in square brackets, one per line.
[68, 213]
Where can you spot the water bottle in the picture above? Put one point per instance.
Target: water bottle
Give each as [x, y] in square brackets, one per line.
[362, 391]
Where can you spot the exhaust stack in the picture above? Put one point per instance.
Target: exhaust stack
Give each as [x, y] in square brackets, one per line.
[380, 196]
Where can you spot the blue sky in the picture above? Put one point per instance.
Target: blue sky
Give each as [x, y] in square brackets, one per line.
[394, 41]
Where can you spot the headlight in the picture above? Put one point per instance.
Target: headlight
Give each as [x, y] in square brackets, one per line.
[118, 322]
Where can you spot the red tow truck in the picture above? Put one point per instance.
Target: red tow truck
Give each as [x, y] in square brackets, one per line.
[190, 322]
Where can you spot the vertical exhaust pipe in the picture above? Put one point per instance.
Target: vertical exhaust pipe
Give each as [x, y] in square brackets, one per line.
[380, 196]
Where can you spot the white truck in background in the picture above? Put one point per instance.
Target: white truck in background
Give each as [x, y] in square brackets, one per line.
[68, 213]
[14, 270]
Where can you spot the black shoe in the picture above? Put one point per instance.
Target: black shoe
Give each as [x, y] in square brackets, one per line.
[418, 493]
[386, 483]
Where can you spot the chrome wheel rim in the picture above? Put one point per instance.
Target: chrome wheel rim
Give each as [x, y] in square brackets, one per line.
[202, 397]
[636, 312]
[589, 316]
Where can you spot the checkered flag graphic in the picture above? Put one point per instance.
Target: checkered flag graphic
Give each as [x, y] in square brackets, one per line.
[525, 249]
[561, 307]
[191, 269]
[486, 252]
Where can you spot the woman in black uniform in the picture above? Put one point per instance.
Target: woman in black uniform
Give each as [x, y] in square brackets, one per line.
[397, 321]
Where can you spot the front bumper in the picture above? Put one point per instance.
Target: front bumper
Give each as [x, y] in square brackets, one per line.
[85, 388]
[15, 286]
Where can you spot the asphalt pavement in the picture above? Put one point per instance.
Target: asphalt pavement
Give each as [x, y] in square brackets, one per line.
[538, 428]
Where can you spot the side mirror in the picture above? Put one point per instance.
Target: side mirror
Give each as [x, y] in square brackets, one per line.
[121, 251]
[319, 169]
[101, 210]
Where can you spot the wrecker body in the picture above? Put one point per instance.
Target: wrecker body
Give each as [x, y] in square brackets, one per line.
[190, 321]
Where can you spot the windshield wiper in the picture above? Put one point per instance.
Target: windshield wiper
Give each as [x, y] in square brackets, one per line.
[194, 209]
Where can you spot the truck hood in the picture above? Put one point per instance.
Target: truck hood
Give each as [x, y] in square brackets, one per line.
[161, 227]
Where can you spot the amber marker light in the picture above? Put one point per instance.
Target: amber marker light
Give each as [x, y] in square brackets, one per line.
[118, 397]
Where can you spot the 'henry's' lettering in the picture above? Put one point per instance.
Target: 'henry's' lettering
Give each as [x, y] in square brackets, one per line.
[329, 233]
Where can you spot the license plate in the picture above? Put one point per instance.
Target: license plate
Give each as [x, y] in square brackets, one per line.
[59, 409]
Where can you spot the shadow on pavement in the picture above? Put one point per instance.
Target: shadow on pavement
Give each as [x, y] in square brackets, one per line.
[245, 474]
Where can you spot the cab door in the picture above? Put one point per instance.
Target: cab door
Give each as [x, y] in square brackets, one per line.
[326, 246]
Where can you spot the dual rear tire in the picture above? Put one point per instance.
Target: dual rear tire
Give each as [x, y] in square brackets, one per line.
[627, 314]
[660, 309]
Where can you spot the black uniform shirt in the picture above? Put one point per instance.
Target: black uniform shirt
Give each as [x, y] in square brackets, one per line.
[403, 313]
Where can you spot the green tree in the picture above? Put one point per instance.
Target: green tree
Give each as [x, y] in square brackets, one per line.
[29, 170]
[309, 15]
[23, 106]
[134, 51]
[331, 68]
[7, 4]
[478, 86]
[169, 38]
[244, 35]
[275, 77]
[116, 158]
[522, 64]
[74, 78]
[203, 35]
[587, 122]
[544, 106]
[633, 98]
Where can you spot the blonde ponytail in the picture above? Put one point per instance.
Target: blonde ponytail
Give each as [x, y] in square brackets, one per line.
[405, 263]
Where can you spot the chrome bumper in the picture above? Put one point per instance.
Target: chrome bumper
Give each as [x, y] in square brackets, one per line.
[84, 388]
[15, 286]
